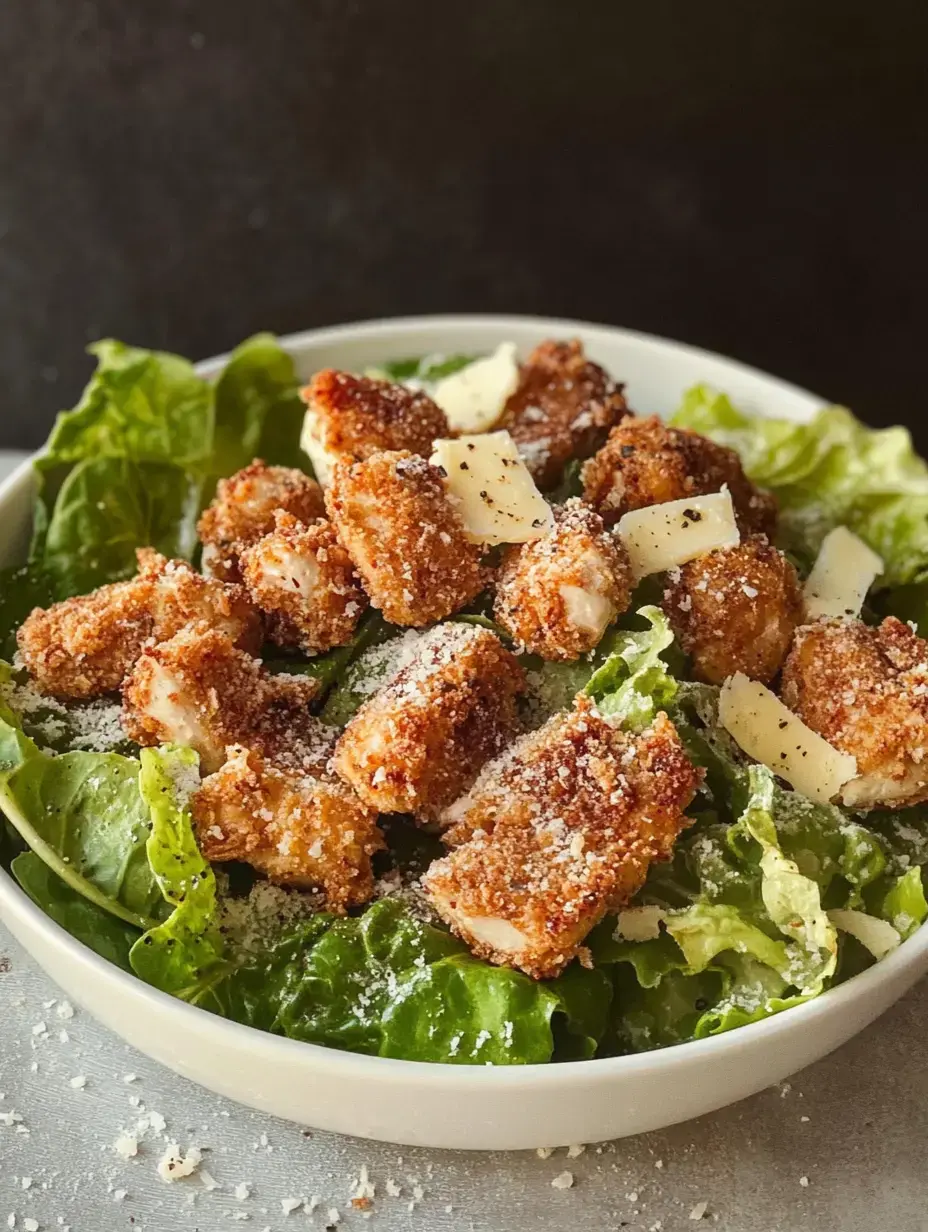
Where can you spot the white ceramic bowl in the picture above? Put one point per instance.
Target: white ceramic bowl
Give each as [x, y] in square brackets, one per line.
[463, 1106]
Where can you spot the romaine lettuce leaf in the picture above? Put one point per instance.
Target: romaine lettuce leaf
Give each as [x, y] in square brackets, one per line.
[82, 815]
[143, 405]
[22, 587]
[185, 955]
[387, 984]
[425, 370]
[831, 471]
[258, 413]
[108, 507]
[106, 934]
[634, 682]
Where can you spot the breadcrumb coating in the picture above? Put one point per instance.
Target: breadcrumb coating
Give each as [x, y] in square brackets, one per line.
[735, 610]
[556, 596]
[420, 741]
[557, 832]
[356, 416]
[199, 689]
[562, 408]
[644, 462]
[85, 646]
[865, 690]
[303, 580]
[404, 537]
[302, 828]
[243, 510]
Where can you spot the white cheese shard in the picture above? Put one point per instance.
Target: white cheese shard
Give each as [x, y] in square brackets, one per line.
[843, 572]
[659, 537]
[492, 489]
[772, 734]
[474, 398]
[878, 936]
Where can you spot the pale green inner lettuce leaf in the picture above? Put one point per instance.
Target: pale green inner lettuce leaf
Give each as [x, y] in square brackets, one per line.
[831, 471]
[82, 815]
[185, 955]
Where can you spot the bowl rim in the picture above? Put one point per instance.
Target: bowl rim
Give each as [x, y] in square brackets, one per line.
[440, 1074]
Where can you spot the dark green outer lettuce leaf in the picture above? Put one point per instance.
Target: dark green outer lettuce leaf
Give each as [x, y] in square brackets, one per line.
[99, 930]
[106, 509]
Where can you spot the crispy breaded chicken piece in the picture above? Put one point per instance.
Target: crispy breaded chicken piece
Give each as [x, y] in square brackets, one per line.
[243, 510]
[298, 824]
[420, 741]
[404, 537]
[644, 462]
[85, 646]
[199, 689]
[303, 580]
[355, 416]
[556, 596]
[558, 831]
[562, 408]
[865, 690]
[735, 610]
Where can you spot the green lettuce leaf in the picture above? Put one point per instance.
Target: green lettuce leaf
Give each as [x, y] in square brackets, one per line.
[109, 506]
[425, 370]
[142, 405]
[904, 904]
[634, 682]
[258, 411]
[185, 955]
[831, 471]
[22, 587]
[99, 930]
[389, 985]
[82, 815]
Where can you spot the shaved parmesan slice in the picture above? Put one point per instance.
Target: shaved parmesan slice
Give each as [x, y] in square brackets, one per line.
[473, 399]
[492, 489]
[841, 576]
[661, 536]
[878, 936]
[322, 459]
[772, 734]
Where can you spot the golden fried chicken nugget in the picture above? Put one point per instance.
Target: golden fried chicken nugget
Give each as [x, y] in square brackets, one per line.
[404, 536]
[562, 408]
[557, 832]
[865, 690]
[85, 646]
[644, 462]
[300, 826]
[354, 416]
[303, 580]
[556, 596]
[243, 510]
[735, 610]
[199, 689]
[420, 741]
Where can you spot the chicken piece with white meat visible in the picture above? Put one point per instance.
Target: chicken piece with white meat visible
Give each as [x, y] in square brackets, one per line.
[558, 831]
[293, 821]
[404, 537]
[351, 416]
[735, 610]
[421, 740]
[243, 510]
[865, 690]
[557, 595]
[199, 689]
[303, 581]
[86, 646]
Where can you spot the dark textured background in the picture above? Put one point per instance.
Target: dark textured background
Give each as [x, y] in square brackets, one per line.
[750, 177]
